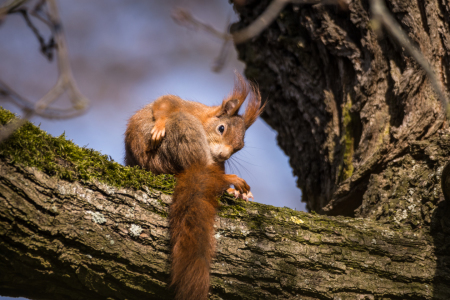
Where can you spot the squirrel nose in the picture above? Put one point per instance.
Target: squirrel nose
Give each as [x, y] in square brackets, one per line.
[225, 152]
[224, 156]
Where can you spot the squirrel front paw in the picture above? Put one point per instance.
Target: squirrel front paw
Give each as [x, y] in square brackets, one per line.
[246, 196]
[241, 190]
[158, 132]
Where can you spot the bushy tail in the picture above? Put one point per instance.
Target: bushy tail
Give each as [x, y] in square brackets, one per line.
[191, 224]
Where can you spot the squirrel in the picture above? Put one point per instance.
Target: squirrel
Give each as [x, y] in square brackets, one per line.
[192, 141]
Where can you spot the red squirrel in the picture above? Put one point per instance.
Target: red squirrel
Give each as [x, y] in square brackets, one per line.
[193, 141]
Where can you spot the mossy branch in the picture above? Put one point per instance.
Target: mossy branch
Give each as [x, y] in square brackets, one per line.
[74, 224]
[62, 158]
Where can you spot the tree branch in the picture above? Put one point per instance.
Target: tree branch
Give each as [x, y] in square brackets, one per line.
[46, 48]
[185, 18]
[65, 81]
[10, 6]
[97, 241]
[91, 240]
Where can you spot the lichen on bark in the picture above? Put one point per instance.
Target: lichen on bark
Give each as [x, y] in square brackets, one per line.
[88, 239]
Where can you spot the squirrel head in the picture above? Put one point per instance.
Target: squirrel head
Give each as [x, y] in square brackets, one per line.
[225, 135]
[225, 130]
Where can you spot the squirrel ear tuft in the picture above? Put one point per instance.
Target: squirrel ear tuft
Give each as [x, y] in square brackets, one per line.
[229, 107]
[254, 107]
[233, 102]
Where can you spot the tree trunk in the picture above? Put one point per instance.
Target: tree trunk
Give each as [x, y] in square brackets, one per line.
[71, 230]
[353, 111]
[357, 115]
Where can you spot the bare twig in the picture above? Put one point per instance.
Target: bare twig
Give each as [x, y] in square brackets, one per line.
[185, 18]
[24, 104]
[9, 6]
[38, 12]
[270, 14]
[382, 15]
[261, 23]
[220, 60]
[64, 83]
[46, 49]
[65, 80]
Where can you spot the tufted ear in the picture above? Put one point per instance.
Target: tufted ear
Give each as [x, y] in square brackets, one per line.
[230, 106]
[254, 107]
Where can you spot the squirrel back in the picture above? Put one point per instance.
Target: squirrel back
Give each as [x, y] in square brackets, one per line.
[185, 142]
[193, 141]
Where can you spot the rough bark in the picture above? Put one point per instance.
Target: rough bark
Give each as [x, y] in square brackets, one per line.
[349, 105]
[72, 240]
[357, 115]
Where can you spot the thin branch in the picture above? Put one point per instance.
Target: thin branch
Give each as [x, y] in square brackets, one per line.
[46, 48]
[220, 60]
[65, 81]
[184, 18]
[24, 104]
[382, 15]
[261, 23]
[270, 14]
[38, 12]
[10, 6]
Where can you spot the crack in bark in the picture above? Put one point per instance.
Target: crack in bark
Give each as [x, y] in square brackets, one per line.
[261, 253]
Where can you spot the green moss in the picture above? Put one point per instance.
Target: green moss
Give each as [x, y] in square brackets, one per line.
[231, 211]
[56, 156]
[346, 169]
[380, 141]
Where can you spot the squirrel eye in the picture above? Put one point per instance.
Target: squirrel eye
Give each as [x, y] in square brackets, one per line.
[221, 128]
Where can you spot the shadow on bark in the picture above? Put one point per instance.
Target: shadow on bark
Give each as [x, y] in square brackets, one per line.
[440, 231]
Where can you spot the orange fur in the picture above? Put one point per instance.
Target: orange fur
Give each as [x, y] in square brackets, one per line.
[240, 92]
[192, 227]
[254, 107]
[175, 136]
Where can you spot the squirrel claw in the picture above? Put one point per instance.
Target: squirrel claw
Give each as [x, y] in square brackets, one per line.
[250, 196]
[245, 196]
[158, 132]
